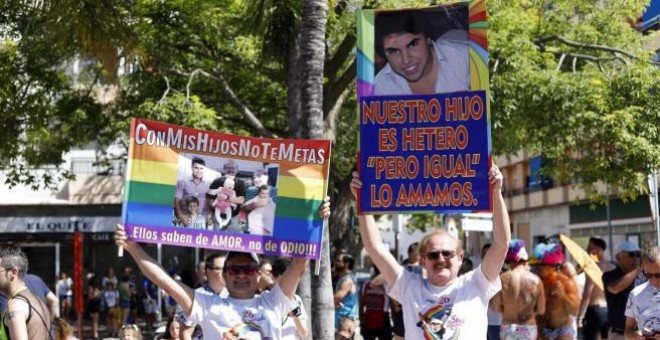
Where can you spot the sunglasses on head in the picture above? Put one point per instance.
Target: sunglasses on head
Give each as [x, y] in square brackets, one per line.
[652, 275]
[248, 269]
[435, 255]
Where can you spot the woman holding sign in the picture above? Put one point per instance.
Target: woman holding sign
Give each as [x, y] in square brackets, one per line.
[443, 305]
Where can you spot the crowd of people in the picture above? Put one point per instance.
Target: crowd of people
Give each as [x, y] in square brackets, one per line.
[434, 294]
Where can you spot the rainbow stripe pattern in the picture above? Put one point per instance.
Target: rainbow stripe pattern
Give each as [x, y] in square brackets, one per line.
[151, 185]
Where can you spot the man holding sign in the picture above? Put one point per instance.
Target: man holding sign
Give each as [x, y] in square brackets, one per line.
[442, 306]
[243, 312]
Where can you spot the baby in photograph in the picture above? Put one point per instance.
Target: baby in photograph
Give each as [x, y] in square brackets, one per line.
[262, 212]
[223, 207]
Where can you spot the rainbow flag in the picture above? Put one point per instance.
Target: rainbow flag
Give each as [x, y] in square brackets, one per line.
[288, 177]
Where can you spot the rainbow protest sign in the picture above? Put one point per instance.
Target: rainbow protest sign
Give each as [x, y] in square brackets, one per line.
[204, 189]
[423, 109]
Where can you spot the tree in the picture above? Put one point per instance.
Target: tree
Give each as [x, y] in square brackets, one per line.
[572, 83]
[569, 82]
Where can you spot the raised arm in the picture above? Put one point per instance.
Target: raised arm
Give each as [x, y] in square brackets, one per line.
[291, 277]
[180, 292]
[624, 282]
[494, 259]
[373, 241]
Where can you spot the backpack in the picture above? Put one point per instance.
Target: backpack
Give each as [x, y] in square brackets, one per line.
[374, 299]
[4, 332]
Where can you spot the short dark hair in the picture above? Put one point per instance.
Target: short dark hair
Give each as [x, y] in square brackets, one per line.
[349, 260]
[191, 199]
[280, 265]
[414, 247]
[198, 160]
[598, 242]
[212, 257]
[392, 22]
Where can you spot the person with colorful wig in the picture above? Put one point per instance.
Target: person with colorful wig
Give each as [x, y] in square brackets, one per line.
[561, 293]
[522, 297]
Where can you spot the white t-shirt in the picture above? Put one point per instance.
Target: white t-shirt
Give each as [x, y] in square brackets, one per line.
[456, 311]
[257, 318]
[289, 326]
[644, 306]
[111, 297]
[64, 287]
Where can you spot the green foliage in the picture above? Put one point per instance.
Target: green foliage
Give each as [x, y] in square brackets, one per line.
[593, 119]
[590, 117]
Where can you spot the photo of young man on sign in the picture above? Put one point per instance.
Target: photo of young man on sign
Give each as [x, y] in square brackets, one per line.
[422, 51]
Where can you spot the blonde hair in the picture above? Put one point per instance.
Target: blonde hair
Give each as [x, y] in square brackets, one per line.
[131, 332]
[421, 250]
[62, 329]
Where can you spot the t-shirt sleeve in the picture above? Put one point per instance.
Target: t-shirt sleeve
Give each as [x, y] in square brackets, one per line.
[487, 288]
[631, 309]
[609, 278]
[280, 301]
[37, 286]
[403, 281]
[303, 312]
[198, 311]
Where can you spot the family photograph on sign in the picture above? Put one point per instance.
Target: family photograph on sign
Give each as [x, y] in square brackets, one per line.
[215, 193]
[214, 190]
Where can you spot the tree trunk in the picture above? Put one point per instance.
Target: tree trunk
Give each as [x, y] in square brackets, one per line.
[293, 90]
[312, 57]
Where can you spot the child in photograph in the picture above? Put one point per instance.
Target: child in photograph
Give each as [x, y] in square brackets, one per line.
[197, 220]
[223, 207]
[261, 212]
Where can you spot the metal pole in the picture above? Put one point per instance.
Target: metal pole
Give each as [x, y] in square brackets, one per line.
[57, 261]
[159, 256]
[609, 223]
[397, 230]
